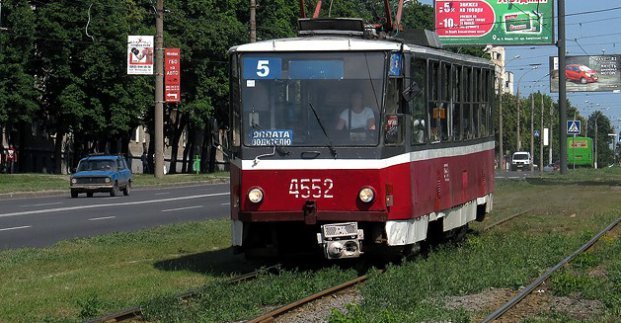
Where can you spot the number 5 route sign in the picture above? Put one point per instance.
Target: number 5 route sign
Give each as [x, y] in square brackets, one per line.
[496, 22]
[573, 127]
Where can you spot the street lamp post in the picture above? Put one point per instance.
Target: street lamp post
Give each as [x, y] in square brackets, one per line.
[519, 141]
[501, 82]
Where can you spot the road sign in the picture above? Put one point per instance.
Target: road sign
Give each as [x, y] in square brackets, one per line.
[573, 127]
[536, 133]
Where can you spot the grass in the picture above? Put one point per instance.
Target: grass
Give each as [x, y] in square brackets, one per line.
[561, 218]
[81, 278]
[84, 278]
[12, 183]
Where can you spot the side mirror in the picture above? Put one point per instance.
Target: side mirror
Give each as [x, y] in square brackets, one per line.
[73, 170]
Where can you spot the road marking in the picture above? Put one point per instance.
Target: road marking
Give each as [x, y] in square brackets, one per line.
[41, 204]
[16, 228]
[97, 206]
[162, 193]
[183, 208]
[227, 203]
[102, 218]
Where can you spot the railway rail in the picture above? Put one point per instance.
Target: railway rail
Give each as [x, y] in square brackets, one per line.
[280, 311]
[135, 313]
[530, 288]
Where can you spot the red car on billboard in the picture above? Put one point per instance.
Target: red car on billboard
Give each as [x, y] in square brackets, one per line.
[580, 73]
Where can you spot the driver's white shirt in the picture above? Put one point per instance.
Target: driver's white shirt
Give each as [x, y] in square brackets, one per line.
[358, 120]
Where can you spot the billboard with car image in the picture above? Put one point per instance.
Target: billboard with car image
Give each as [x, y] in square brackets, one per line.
[598, 73]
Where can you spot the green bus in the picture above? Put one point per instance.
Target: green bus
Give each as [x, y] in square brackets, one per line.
[580, 151]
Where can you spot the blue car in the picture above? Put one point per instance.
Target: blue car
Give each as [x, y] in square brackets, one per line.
[101, 173]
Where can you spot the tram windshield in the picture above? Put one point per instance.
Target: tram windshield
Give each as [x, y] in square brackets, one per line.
[312, 99]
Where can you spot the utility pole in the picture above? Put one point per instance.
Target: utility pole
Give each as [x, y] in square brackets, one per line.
[159, 90]
[532, 131]
[519, 141]
[550, 132]
[562, 89]
[596, 135]
[253, 21]
[541, 139]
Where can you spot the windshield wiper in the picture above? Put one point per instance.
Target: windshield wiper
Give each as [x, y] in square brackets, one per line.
[332, 150]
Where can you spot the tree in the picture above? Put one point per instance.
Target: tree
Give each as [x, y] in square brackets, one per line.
[18, 94]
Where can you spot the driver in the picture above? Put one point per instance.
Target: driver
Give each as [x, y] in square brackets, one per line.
[359, 116]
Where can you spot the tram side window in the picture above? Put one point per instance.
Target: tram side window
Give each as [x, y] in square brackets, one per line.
[476, 106]
[393, 131]
[466, 103]
[417, 103]
[484, 105]
[437, 108]
[456, 101]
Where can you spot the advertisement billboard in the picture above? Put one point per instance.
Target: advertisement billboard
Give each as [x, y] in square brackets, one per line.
[598, 73]
[140, 55]
[172, 76]
[495, 22]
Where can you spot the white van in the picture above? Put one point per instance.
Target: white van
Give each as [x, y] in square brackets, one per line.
[521, 160]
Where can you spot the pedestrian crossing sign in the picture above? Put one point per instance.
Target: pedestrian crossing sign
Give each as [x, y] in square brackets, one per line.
[573, 127]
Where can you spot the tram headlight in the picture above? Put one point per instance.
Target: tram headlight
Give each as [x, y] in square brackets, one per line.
[366, 194]
[255, 195]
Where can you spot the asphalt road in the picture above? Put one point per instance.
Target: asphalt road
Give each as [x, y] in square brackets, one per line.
[39, 222]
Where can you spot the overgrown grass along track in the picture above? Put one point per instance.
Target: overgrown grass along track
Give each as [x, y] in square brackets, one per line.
[280, 311]
[135, 313]
[530, 288]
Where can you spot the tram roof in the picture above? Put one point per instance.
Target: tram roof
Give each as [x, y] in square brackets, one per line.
[336, 43]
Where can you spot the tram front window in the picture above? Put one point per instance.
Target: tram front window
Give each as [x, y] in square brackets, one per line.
[318, 99]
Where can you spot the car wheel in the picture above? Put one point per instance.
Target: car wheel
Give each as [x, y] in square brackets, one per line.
[583, 80]
[89, 194]
[74, 194]
[127, 188]
[115, 190]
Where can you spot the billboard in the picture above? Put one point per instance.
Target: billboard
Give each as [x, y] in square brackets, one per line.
[140, 55]
[172, 76]
[495, 22]
[599, 73]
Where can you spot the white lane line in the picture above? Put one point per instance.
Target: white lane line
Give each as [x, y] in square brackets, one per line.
[102, 218]
[162, 193]
[41, 204]
[96, 206]
[16, 228]
[183, 208]
[227, 203]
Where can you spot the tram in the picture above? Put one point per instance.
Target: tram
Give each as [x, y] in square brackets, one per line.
[343, 142]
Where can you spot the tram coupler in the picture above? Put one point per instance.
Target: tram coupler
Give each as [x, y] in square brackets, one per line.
[310, 213]
[341, 240]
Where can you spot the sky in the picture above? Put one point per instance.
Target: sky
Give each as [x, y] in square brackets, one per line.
[586, 34]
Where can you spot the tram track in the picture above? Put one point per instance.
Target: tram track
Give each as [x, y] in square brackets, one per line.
[135, 313]
[499, 312]
[284, 310]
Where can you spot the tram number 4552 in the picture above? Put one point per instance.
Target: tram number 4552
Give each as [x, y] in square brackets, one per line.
[311, 187]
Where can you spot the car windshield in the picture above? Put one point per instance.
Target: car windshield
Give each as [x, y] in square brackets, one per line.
[299, 99]
[102, 164]
[585, 69]
[520, 156]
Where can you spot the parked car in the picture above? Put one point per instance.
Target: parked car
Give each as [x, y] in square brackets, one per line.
[580, 73]
[101, 173]
[555, 166]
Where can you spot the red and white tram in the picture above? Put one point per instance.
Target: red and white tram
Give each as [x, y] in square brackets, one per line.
[418, 165]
